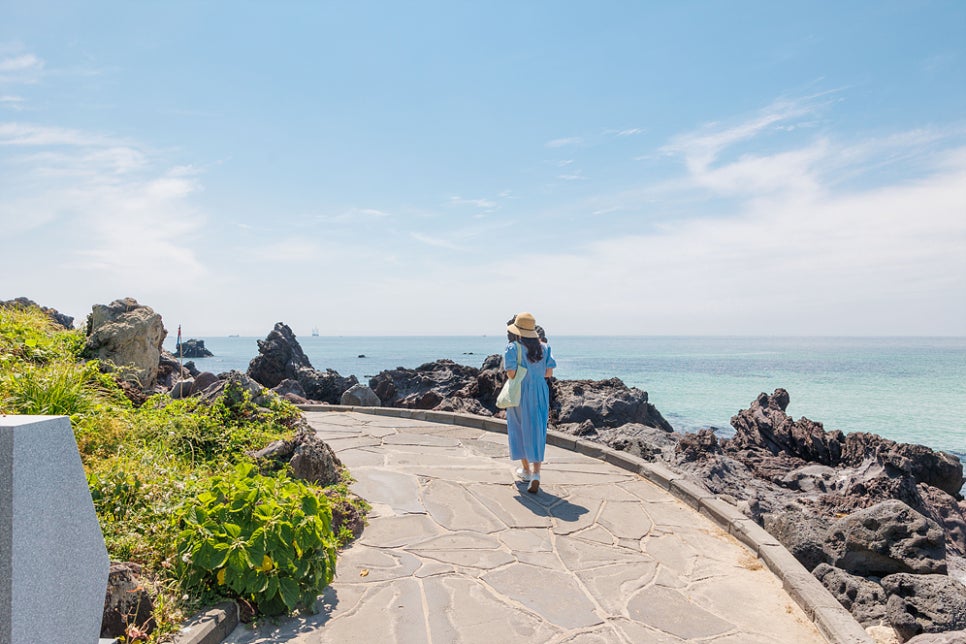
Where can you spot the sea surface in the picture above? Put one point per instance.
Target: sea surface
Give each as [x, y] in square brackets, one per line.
[911, 390]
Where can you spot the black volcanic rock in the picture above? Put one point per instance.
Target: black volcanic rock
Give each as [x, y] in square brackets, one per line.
[605, 403]
[193, 349]
[279, 357]
[426, 386]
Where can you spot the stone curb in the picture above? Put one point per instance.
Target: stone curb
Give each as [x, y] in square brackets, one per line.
[832, 620]
[210, 626]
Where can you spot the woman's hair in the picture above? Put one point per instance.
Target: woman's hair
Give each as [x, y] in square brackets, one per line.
[534, 349]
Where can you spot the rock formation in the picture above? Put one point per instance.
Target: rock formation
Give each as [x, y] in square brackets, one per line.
[192, 349]
[127, 604]
[127, 335]
[310, 458]
[280, 357]
[856, 509]
[360, 396]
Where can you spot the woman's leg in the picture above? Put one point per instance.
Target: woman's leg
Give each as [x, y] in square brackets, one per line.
[535, 477]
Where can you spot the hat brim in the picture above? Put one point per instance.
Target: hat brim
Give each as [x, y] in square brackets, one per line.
[524, 333]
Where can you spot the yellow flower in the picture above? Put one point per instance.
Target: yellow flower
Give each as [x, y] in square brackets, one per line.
[221, 577]
[267, 564]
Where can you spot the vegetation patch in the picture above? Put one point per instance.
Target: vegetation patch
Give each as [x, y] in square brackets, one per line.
[172, 485]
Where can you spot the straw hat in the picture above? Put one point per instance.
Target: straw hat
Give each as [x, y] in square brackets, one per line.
[524, 325]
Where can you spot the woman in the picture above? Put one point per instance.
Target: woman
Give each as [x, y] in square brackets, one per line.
[527, 424]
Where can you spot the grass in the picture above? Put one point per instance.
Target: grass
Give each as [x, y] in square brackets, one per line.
[145, 464]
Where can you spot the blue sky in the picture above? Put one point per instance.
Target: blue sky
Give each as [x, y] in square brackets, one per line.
[430, 168]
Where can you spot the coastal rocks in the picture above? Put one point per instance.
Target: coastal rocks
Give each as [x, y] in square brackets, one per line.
[182, 389]
[765, 426]
[281, 357]
[647, 443]
[325, 386]
[234, 387]
[310, 458]
[129, 336]
[193, 349]
[128, 606]
[924, 604]
[802, 535]
[921, 464]
[887, 538]
[949, 637]
[426, 386]
[865, 599]
[59, 318]
[463, 406]
[291, 390]
[170, 371]
[605, 403]
[359, 395]
[203, 380]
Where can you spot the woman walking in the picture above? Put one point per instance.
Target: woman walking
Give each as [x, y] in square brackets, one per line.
[527, 423]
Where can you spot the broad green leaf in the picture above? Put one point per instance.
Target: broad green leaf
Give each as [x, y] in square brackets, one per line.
[289, 591]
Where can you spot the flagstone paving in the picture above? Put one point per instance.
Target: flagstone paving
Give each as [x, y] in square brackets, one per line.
[456, 550]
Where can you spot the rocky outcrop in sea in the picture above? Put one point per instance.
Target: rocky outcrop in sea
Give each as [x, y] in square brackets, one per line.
[192, 349]
[280, 358]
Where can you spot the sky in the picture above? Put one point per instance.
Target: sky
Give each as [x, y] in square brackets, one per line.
[431, 168]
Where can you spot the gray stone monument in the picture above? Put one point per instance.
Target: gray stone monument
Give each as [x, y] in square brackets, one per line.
[53, 563]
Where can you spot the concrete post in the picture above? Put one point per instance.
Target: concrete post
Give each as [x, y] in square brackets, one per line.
[53, 562]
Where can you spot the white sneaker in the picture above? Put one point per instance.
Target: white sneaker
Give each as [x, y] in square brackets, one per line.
[534, 483]
[522, 474]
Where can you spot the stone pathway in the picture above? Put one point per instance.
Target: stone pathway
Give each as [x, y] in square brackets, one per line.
[457, 551]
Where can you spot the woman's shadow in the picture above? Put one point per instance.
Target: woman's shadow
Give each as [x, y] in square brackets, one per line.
[545, 504]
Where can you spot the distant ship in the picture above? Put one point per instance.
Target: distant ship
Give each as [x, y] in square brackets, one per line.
[315, 332]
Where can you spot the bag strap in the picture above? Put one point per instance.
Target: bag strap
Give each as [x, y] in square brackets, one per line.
[519, 357]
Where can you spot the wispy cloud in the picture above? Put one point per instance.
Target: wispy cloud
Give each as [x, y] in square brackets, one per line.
[576, 175]
[22, 68]
[107, 195]
[30, 134]
[11, 102]
[352, 214]
[479, 203]
[438, 242]
[559, 143]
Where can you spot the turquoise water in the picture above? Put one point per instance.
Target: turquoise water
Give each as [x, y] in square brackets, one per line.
[907, 389]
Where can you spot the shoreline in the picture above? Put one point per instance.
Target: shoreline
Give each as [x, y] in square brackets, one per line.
[830, 393]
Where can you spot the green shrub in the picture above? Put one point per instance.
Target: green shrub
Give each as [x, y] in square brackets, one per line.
[267, 540]
[30, 335]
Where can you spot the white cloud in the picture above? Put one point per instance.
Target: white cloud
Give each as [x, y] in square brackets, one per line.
[20, 68]
[700, 149]
[438, 242]
[353, 214]
[29, 134]
[12, 102]
[559, 143]
[478, 203]
[20, 63]
[104, 207]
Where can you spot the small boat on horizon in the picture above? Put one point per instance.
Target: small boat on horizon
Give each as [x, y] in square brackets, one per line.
[315, 332]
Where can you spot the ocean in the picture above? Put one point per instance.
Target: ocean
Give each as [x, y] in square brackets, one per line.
[911, 390]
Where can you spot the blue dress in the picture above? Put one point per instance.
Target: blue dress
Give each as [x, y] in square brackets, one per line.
[527, 424]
